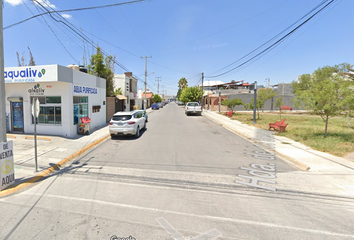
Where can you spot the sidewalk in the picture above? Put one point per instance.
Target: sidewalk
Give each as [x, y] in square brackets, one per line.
[321, 172]
[52, 153]
[302, 156]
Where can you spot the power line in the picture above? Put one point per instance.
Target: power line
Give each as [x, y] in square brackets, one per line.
[75, 9]
[133, 30]
[109, 24]
[57, 36]
[83, 36]
[272, 46]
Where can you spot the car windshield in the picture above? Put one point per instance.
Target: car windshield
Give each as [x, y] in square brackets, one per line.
[192, 104]
[121, 117]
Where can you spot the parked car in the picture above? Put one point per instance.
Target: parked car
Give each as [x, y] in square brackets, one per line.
[180, 103]
[127, 123]
[155, 106]
[160, 105]
[193, 108]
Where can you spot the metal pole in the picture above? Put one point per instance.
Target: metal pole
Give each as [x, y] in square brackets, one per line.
[145, 84]
[2, 82]
[219, 101]
[35, 132]
[255, 102]
[145, 80]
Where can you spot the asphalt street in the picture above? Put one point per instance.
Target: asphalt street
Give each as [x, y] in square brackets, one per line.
[184, 178]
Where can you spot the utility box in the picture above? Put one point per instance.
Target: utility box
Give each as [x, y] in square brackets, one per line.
[83, 127]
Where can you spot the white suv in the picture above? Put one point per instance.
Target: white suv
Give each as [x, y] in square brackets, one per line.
[127, 123]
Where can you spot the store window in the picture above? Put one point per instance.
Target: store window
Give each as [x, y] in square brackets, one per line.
[80, 108]
[50, 112]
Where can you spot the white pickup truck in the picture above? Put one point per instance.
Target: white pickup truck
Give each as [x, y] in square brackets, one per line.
[193, 108]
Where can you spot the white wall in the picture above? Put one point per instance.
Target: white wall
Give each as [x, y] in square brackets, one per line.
[62, 86]
[51, 89]
[119, 81]
[81, 79]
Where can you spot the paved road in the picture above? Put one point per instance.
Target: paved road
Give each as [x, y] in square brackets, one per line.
[185, 175]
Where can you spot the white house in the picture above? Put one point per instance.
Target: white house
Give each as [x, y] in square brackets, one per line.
[65, 96]
[129, 86]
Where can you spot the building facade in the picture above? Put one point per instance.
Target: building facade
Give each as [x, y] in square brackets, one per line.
[129, 86]
[65, 96]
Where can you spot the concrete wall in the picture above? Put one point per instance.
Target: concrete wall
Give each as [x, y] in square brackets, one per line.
[268, 105]
[110, 107]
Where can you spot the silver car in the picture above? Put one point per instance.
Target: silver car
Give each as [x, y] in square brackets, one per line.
[127, 123]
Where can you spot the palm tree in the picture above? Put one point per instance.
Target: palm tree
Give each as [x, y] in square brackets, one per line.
[182, 83]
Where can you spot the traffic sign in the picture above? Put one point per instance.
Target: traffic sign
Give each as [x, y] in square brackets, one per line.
[35, 108]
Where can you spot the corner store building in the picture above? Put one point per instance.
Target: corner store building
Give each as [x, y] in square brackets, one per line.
[65, 95]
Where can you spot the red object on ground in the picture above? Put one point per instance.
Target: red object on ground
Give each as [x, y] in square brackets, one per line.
[286, 108]
[229, 113]
[281, 126]
[85, 120]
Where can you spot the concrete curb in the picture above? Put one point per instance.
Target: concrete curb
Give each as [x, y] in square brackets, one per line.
[291, 160]
[39, 138]
[46, 172]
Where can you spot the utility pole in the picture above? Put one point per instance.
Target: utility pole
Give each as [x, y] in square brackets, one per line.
[219, 100]
[2, 81]
[158, 84]
[145, 79]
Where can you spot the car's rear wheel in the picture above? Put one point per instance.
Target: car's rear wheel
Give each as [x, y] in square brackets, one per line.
[137, 134]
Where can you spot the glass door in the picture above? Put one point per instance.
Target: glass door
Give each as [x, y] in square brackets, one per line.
[17, 117]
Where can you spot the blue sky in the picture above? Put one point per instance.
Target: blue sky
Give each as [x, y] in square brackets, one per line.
[186, 37]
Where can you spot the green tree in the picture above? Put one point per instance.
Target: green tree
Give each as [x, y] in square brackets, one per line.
[231, 103]
[157, 99]
[347, 70]
[265, 94]
[103, 67]
[182, 83]
[179, 92]
[348, 101]
[191, 94]
[118, 91]
[250, 106]
[322, 92]
[278, 104]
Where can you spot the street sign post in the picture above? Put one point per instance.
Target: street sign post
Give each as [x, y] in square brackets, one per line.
[35, 113]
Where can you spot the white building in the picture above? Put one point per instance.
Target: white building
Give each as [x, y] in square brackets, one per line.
[129, 87]
[65, 96]
[208, 86]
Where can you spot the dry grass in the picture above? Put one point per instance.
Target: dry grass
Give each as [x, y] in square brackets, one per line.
[309, 130]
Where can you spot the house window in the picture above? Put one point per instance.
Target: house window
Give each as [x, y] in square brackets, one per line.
[49, 110]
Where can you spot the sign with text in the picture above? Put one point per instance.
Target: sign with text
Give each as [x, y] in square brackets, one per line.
[7, 174]
[47, 73]
[84, 90]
